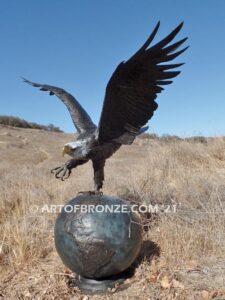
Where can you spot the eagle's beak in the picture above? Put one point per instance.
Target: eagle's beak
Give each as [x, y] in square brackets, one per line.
[63, 151]
[66, 150]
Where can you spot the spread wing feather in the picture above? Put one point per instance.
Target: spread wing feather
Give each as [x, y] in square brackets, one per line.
[131, 92]
[80, 118]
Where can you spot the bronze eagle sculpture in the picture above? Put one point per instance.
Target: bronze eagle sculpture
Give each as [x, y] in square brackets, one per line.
[128, 105]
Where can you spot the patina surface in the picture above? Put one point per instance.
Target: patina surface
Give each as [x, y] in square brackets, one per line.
[98, 244]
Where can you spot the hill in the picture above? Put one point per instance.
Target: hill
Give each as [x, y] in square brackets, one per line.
[183, 252]
[18, 122]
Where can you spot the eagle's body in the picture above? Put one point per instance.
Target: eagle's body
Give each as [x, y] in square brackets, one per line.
[88, 147]
[129, 104]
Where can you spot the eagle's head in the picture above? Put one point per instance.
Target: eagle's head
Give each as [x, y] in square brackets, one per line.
[70, 148]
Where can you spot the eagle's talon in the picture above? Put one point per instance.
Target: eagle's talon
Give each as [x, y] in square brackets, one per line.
[68, 175]
[61, 172]
[55, 169]
[91, 193]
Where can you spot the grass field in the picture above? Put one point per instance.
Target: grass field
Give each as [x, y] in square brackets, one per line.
[183, 253]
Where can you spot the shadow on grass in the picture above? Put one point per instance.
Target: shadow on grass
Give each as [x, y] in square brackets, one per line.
[149, 250]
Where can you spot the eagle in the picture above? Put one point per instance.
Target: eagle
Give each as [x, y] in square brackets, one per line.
[128, 105]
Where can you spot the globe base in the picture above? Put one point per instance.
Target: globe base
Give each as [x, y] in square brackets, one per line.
[100, 286]
[98, 238]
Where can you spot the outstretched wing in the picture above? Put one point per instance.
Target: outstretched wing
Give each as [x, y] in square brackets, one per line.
[80, 118]
[131, 91]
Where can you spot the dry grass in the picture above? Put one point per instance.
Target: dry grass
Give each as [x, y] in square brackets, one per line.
[187, 258]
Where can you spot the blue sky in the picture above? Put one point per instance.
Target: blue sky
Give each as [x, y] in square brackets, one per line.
[77, 44]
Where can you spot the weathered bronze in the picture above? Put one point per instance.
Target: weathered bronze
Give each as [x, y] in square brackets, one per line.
[99, 245]
[129, 104]
[98, 237]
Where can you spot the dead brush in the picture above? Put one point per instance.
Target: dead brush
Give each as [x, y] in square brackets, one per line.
[187, 174]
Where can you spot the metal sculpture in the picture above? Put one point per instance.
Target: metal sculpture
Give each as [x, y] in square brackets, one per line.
[129, 104]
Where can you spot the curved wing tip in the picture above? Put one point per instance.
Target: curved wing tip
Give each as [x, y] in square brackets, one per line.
[184, 49]
[180, 25]
[179, 52]
[157, 24]
[155, 30]
[184, 39]
[26, 80]
[177, 29]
